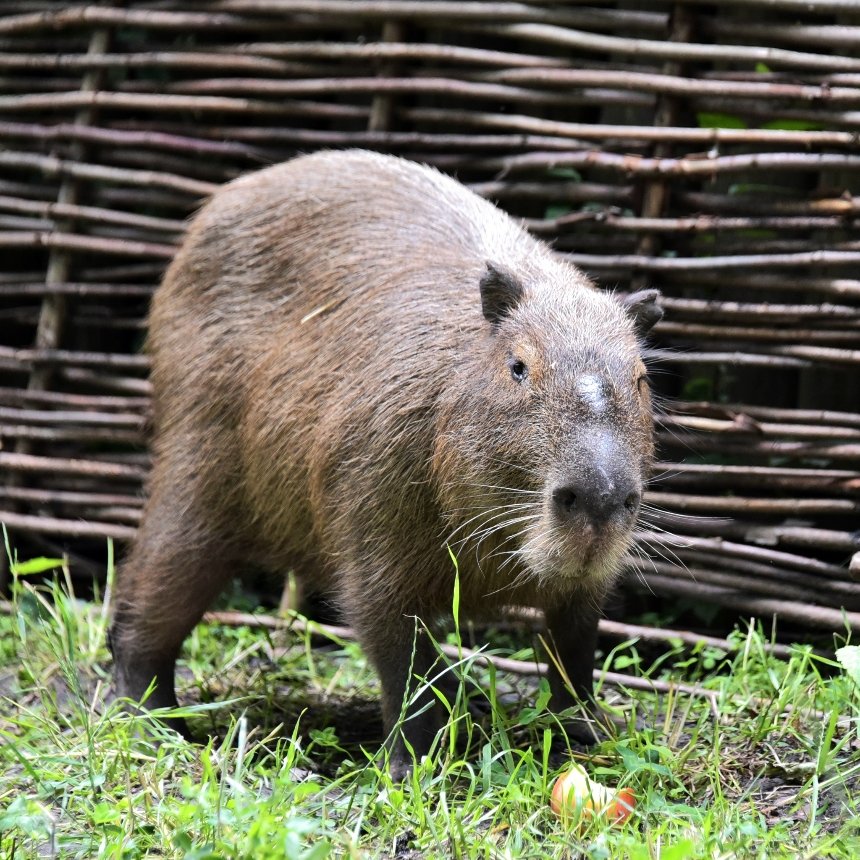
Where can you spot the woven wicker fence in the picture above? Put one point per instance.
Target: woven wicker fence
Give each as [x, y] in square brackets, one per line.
[712, 154]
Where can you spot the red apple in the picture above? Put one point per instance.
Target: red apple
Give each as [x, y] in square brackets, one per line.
[576, 798]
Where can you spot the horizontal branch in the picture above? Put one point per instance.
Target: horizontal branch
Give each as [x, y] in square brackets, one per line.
[820, 94]
[58, 465]
[746, 505]
[767, 413]
[28, 357]
[696, 331]
[94, 402]
[113, 291]
[671, 50]
[160, 102]
[69, 528]
[710, 138]
[76, 242]
[93, 214]
[764, 607]
[73, 434]
[69, 497]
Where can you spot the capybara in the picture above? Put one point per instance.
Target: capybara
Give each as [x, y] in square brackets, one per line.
[358, 364]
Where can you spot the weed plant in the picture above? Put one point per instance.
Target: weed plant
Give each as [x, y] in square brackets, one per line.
[767, 765]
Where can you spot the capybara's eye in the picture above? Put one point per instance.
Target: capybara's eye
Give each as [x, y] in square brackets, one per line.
[518, 370]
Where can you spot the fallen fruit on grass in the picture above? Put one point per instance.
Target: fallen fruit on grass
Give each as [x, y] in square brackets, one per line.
[576, 798]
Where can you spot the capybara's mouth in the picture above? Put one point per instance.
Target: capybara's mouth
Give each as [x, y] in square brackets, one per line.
[587, 557]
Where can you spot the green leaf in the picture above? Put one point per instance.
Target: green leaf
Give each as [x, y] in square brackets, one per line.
[553, 212]
[762, 68]
[849, 659]
[565, 173]
[707, 119]
[793, 125]
[35, 565]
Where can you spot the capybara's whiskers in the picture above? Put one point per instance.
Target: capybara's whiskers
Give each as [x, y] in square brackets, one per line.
[662, 550]
[693, 518]
[485, 517]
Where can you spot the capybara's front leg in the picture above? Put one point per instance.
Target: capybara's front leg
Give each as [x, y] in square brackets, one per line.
[572, 638]
[400, 649]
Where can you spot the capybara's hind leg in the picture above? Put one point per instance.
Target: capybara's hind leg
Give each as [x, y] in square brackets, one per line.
[176, 570]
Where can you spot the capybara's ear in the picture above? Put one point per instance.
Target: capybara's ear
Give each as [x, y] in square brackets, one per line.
[644, 309]
[501, 292]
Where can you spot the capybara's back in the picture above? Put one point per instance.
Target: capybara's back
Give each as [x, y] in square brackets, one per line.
[358, 363]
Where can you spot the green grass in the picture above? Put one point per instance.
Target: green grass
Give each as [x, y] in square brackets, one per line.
[770, 769]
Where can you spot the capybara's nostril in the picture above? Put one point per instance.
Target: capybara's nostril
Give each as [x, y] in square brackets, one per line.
[565, 500]
[632, 502]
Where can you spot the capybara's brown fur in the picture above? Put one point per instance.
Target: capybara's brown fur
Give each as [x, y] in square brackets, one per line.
[357, 363]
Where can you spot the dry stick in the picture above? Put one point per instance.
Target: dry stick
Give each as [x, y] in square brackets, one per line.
[104, 16]
[835, 204]
[793, 5]
[731, 358]
[70, 528]
[744, 425]
[129, 385]
[153, 138]
[153, 60]
[26, 357]
[53, 167]
[794, 536]
[692, 225]
[844, 588]
[423, 10]
[220, 20]
[734, 504]
[81, 290]
[709, 137]
[826, 36]
[93, 418]
[94, 214]
[803, 593]
[735, 261]
[691, 52]
[72, 434]
[674, 84]
[808, 615]
[381, 110]
[751, 311]
[655, 192]
[167, 102]
[70, 497]
[280, 135]
[701, 332]
[774, 477]
[63, 466]
[504, 664]
[751, 553]
[394, 50]
[621, 630]
[842, 287]
[822, 416]
[76, 242]
[94, 402]
[418, 86]
[465, 13]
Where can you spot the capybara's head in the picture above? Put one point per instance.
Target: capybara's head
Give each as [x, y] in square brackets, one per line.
[545, 435]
